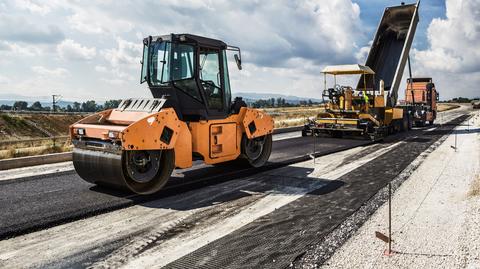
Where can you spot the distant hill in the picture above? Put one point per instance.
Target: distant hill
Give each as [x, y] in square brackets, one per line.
[9, 99]
[30, 102]
[252, 97]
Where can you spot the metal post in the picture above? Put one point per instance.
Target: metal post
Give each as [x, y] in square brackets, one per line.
[455, 140]
[389, 218]
[314, 145]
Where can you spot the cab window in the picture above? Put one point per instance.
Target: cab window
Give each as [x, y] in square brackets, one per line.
[210, 78]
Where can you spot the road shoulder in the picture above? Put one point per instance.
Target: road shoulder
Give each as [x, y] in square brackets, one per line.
[435, 214]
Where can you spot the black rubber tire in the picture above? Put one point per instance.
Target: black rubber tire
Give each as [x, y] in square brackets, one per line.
[404, 124]
[167, 164]
[430, 122]
[337, 134]
[419, 123]
[304, 133]
[264, 155]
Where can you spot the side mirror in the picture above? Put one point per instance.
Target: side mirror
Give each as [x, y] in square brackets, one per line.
[238, 61]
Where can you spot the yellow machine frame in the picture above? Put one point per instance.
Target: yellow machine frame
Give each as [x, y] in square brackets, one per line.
[347, 110]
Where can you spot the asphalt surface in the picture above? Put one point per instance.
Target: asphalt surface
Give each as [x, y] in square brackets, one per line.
[33, 203]
[280, 239]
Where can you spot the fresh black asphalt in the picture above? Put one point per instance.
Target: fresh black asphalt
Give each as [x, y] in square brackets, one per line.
[37, 202]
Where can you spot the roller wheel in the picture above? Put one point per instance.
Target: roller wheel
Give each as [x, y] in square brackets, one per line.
[420, 123]
[257, 150]
[147, 171]
[337, 134]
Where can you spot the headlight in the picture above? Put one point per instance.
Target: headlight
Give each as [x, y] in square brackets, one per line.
[81, 131]
[112, 134]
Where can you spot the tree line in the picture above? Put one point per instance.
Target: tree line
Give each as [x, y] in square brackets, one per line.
[88, 106]
[280, 102]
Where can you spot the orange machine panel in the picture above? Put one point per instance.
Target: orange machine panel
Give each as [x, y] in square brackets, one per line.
[418, 94]
[156, 131]
[223, 140]
[202, 142]
[256, 123]
[98, 131]
[125, 117]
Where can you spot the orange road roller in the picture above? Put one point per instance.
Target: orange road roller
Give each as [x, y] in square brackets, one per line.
[191, 116]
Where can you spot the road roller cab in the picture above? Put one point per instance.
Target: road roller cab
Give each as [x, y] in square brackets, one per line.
[191, 116]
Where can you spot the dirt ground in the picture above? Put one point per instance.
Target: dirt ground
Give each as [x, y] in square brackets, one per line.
[292, 116]
[20, 127]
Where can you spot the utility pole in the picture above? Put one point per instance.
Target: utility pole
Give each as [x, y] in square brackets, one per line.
[55, 99]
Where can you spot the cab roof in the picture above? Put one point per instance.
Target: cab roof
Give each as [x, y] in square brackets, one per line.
[347, 69]
[189, 38]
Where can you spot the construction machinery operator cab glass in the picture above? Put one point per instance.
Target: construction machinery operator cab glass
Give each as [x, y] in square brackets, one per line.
[201, 71]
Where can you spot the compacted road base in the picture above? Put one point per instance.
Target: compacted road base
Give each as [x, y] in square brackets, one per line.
[277, 239]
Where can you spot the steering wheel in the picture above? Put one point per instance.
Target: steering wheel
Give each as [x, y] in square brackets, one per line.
[209, 86]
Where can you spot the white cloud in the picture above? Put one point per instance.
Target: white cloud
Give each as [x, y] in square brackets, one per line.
[20, 50]
[100, 68]
[126, 54]
[45, 72]
[362, 54]
[114, 81]
[454, 40]
[71, 50]
[97, 21]
[21, 29]
[453, 57]
[284, 43]
[4, 80]
[40, 7]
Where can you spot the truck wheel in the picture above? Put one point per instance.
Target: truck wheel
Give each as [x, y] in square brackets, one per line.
[257, 150]
[404, 126]
[337, 134]
[430, 122]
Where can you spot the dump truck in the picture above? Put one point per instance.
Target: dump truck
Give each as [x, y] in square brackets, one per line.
[370, 109]
[191, 116]
[421, 99]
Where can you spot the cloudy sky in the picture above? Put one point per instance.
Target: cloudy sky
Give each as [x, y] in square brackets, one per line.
[92, 51]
